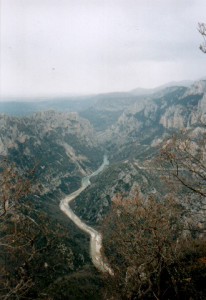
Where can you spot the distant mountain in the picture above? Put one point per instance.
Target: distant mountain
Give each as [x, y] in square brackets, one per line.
[141, 91]
[108, 102]
[163, 112]
[25, 107]
[127, 125]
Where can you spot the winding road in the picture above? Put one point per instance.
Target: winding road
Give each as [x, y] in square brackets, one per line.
[95, 237]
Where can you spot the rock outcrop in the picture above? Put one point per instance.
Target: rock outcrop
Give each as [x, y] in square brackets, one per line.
[62, 146]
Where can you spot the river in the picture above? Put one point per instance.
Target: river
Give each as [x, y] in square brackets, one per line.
[95, 237]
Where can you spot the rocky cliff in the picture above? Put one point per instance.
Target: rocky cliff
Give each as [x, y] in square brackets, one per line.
[134, 142]
[61, 146]
[131, 128]
[147, 122]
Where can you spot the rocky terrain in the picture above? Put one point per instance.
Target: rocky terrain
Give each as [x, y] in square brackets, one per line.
[67, 143]
[61, 146]
[131, 127]
[160, 114]
[133, 143]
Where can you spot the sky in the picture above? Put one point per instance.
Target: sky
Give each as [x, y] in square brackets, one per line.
[71, 47]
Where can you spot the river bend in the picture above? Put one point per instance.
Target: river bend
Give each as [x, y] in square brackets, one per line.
[95, 237]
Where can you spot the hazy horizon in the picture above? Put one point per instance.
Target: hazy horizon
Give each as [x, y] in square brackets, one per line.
[68, 95]
[65, 48]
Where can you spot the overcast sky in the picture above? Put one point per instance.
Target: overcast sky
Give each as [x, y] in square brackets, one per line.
[60, 47]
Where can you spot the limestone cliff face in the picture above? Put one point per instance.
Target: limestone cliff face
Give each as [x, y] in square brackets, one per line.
[62, 145]
[174, 117]
[199, 87]
[65, 146]
[171, 109]
[190, 110]
[134, 142]
[18, 130]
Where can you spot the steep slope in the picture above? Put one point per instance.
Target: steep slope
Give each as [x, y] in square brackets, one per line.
[61, 145]
[62, 148]
[147, 123]
[108, 108]
[134, 142]
[124, 178]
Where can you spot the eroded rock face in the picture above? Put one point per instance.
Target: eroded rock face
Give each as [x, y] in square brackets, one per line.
[66, 147]
[134, 140]
[62, 145]
[171, 109]
[190, 110]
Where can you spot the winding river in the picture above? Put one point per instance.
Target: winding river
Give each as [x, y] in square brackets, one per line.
[95, 237]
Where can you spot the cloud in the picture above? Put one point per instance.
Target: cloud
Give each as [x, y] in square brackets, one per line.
[76, 46]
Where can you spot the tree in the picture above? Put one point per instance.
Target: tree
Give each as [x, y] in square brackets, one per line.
[149, 254]
[183, 159]
[155, 245]
[13, 190]
[202, 30]
[13, 187]
[142, 240]
[33, 250]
